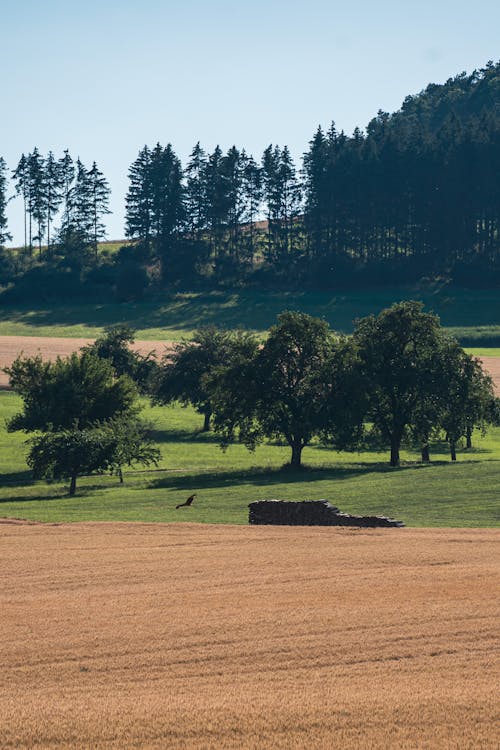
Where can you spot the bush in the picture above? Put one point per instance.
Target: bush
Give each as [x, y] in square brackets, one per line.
[131, 282]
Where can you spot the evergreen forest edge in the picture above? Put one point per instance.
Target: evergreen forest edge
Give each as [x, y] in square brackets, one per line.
[414, 198]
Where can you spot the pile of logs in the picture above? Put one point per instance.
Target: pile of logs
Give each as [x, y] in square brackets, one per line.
[311, 513]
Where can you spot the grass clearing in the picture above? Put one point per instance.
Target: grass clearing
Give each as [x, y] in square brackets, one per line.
[464, 494]
[472, 316]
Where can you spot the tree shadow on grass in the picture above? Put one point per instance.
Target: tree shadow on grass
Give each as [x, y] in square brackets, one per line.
[16, 479]
[258, 310]
[184, 436]
[287, 475]
[58, 495]
[178, 311]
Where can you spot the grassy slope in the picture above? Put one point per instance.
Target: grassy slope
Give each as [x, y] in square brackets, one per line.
[442, 494]
[473, 316]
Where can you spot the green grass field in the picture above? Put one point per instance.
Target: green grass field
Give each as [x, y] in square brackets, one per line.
[442, 494]
[474, 317]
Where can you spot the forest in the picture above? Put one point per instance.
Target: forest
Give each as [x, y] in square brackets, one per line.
[415, 196]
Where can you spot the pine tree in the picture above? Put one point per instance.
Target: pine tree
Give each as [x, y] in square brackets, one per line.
[283, 194]
[139, 200]
[272, 196]
[36, 168]
[196, 193]
[4, 234]
[67, 175]
[315, 186]
[99, 191]
[168, 204]
[53, 194]
[81, 204]
[291, 201]
[252, 192]
[21, 177]
[217, 203]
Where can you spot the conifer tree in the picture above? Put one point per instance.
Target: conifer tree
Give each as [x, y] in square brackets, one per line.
[36, 167]
[216, 200]
[139, 200]
[99, 192]
[53, 194]
[67, 175]
[4, 234]
[81, 204]
[196, 193]
[21, 177]
[252, 192]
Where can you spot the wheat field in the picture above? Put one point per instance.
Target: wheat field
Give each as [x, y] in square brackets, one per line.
[188, 636]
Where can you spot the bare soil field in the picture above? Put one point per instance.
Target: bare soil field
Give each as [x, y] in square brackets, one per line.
[212, 637]
[50, 348]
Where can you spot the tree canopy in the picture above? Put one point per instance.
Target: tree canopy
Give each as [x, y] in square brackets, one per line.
[183, 374]
[73, 392]
[284, 390]
[87, 417]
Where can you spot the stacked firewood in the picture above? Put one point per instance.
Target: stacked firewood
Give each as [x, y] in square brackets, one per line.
[311, 513]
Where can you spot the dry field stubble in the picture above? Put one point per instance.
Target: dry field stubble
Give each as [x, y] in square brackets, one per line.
[50, 348]
[186, 636]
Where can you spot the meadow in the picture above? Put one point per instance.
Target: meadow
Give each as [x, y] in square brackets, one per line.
[442, 494]
[472, 316]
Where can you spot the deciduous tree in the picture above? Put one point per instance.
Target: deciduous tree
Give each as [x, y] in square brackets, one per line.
[398, 350]
[279, 391]
[184, 372]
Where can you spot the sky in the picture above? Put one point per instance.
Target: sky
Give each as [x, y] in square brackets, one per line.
[104, 78]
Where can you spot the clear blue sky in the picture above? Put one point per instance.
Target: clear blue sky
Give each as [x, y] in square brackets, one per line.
[104, 78]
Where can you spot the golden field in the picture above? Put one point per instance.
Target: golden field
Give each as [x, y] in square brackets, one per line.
[189, 636]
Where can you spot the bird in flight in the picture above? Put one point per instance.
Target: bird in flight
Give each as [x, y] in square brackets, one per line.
[187, 503]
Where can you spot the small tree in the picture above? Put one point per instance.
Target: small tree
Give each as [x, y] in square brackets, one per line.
[70, 393]
[86, 416]
[183, 373]
[130, 443]
[68, 454]
[470, 397]
[108, 446]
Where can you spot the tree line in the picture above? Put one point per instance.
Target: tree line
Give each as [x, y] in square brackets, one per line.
[415, 195]
[50, 187]
[399, 378]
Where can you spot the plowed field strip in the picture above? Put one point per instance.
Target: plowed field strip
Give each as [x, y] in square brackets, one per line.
[185, 636]
[50, 348]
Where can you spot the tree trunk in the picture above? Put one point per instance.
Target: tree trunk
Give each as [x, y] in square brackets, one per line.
[120, 474]
[206, 422]
[425, 454]
[395, 443]
[468, 437]
[296, 453]
[72, 486]
[453, 450]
